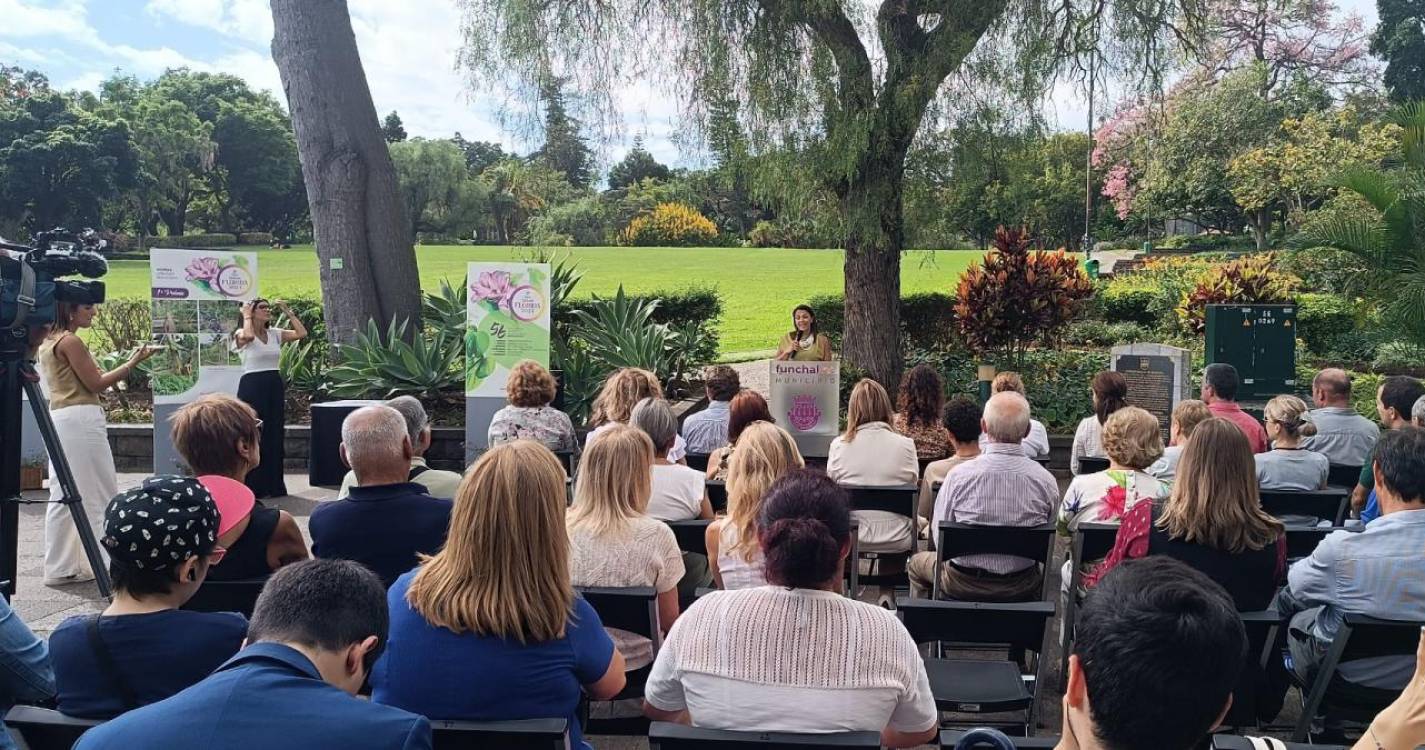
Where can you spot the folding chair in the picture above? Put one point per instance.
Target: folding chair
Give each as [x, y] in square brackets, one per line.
[1092, 541]
[1042, 461]
[959, 539]
[226, 596]
[697, 461]
[978, 685]
[527, 734]
[1301, 541]
[950, 739]
[1329, 504]
[634, 609]
[691, 534]
[569, 460]
[1340, 475]
[900, 500]
[666, 736]
[1091, 465]
[1233, 742]
[1262, 629]
[717, 494]
[1360, 637]
[46, 729]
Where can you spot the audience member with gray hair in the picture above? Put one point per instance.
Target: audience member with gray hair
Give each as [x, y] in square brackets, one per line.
[1002, 487]
[679, 493]
[1343, 436]
[1417, 412]
[387, 520]
[438, 483]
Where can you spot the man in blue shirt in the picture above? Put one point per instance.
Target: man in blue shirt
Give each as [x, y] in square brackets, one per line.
[25, 673]
[1379, 572]
[385, 521]
[706, 431]
[317, 629]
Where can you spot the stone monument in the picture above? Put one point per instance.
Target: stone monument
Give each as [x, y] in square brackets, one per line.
[1157, 377]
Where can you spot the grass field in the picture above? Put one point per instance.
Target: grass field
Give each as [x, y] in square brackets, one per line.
[759, 287]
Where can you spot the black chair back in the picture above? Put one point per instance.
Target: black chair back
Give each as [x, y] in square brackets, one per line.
[1042, 461]
[1262, 628]
[634, 609]
[697, 461]
[46, 729]
[568, 460]
[924, 462]
[226, 596]
[1019, 624]
[1359, 637]
[1235, 742]
[1095, 540]
[1091, 465]
[717, 494]
[951, 740]
[900, 500]
[666, 736]
[1340, 475]
[1301, 541]
[691, 534]
[958, 539]
[526, 734]
[1327, 505]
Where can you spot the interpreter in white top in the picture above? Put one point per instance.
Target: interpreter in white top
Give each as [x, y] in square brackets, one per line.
[871, 454]
[1187, 415]
[1289, 467]
[1110, 393]
[259, 344]
[679, 492]
[795, 656]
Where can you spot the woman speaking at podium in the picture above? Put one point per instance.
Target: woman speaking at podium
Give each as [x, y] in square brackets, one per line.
[73, 383]
[803, 343]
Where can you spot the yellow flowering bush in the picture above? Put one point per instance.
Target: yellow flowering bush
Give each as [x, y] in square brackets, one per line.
[669, 224]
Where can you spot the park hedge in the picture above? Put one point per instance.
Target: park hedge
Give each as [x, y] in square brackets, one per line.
[927, 319]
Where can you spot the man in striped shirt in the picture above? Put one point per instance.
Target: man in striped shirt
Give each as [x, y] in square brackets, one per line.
[1002, 487]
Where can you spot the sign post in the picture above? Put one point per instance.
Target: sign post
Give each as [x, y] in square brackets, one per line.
[806, 401]
[507, 320]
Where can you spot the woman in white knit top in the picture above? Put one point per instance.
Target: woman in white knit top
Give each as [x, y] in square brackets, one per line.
[795, 656]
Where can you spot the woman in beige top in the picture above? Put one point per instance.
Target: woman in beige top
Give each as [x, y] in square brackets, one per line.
[73, 383]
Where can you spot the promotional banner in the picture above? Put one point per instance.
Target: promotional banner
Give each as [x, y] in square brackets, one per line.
[507, 305]
[806, 401]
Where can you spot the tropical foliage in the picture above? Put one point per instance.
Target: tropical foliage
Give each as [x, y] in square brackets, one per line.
[1253, 280]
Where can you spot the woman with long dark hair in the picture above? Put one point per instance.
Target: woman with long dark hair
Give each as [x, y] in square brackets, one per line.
[260, 345]
[1110, 393]
[804, 343]
[918, 410]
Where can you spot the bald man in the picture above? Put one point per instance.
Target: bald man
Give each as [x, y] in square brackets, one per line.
[1343, 436]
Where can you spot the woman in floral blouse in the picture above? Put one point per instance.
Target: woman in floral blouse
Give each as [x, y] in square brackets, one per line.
[918, 407]
[529, 415]
[1132, 440]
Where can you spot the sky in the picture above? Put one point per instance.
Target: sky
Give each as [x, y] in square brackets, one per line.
[408, 49]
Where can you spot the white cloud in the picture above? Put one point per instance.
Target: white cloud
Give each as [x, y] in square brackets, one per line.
[61, 18]
[248, 20]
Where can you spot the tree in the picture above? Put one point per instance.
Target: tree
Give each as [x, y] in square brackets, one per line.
[392, 129]
[175, 150]
[805, 76]
[432, 175]
[1289, 39]
[564, 150]
[366, 261]
[637, 166]
[479, 155]
[16, 83]
[1400, 41]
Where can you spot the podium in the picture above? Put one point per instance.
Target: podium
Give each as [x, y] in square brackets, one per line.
[806, 402]
[324, 466]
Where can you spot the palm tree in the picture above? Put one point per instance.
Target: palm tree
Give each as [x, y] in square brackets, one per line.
[1392, 243]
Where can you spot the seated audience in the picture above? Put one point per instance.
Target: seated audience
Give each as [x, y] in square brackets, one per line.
[918, 408]
[870, 454]
[529, 390]
[1402, 723]
[143, 648]
[26, 674]
[1376, 572]
[705, 431]
[489, 629]
[1110, 393]
[386, 522]
[317, 628]
[438, 483]
[1213, 520]
[839, 665]
[218, 437]
[679, 492]
[1219, 391]
[613, 542]
[621, 392]
[1003, 487]
[765, 453]
[1343, 436]
[962, 421]
[1158, 649]
[1288, 466]
[747, 407]
[1395, 404]
[1132, 440]
[1187, 415]
[1036, 444]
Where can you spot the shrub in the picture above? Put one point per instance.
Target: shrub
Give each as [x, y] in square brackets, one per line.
[1253, 280]
[1322, 319]
[765, 234]
[927, 319]
[670, 225]
[1323, 269]
[255, 238]
[1127, 302]
[580, 222]
[195, 240]
[1016, 297]
[675, 309]
[1102, 333]
[1399, 356]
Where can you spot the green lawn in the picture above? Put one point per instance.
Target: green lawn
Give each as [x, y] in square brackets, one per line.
[759, 287]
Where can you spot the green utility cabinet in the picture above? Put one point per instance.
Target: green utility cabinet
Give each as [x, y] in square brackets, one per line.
[1260, 341]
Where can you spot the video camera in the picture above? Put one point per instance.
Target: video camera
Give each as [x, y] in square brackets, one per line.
[29, 276]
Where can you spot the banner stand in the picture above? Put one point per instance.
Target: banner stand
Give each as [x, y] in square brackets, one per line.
[507, 320]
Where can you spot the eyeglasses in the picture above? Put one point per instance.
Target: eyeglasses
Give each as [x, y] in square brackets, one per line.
[257, 425]
[263, 307]
[216, 555]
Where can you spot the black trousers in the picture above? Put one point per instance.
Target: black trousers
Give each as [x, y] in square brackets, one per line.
[267, 395]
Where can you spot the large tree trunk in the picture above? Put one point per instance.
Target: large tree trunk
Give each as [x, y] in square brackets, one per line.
[872, 207]
[367, 263]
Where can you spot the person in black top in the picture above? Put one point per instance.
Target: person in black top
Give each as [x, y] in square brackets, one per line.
[162, 541]
[387, 521]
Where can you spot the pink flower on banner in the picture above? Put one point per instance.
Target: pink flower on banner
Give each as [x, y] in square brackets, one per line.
[203, 269]
[493, 286]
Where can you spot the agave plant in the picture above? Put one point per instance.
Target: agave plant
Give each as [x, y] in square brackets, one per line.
[304, 366]
[387, 365]
[619, 332]
[1392, 244]
[445, 310]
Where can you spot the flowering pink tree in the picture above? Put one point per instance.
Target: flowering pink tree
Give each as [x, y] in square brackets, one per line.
[1310, 37]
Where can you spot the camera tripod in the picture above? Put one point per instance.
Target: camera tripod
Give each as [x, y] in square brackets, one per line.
[18, 375]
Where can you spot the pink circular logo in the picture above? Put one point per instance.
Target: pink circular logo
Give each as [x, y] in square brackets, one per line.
[804, 414]
[526, 303]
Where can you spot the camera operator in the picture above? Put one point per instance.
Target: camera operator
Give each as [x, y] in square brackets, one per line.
[73, 382]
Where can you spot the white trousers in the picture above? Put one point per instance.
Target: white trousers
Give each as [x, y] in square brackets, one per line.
[84, 437]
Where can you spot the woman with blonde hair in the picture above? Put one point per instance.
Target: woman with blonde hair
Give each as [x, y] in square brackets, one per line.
[614, 405]
[1213, 520]
[765, 452]
[1288, 466]
[1187, 415]
[612, 540]
[1133, 441]
[497, 601]
[871, 454]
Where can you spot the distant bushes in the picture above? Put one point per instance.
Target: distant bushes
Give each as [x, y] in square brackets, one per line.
[670, 225]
